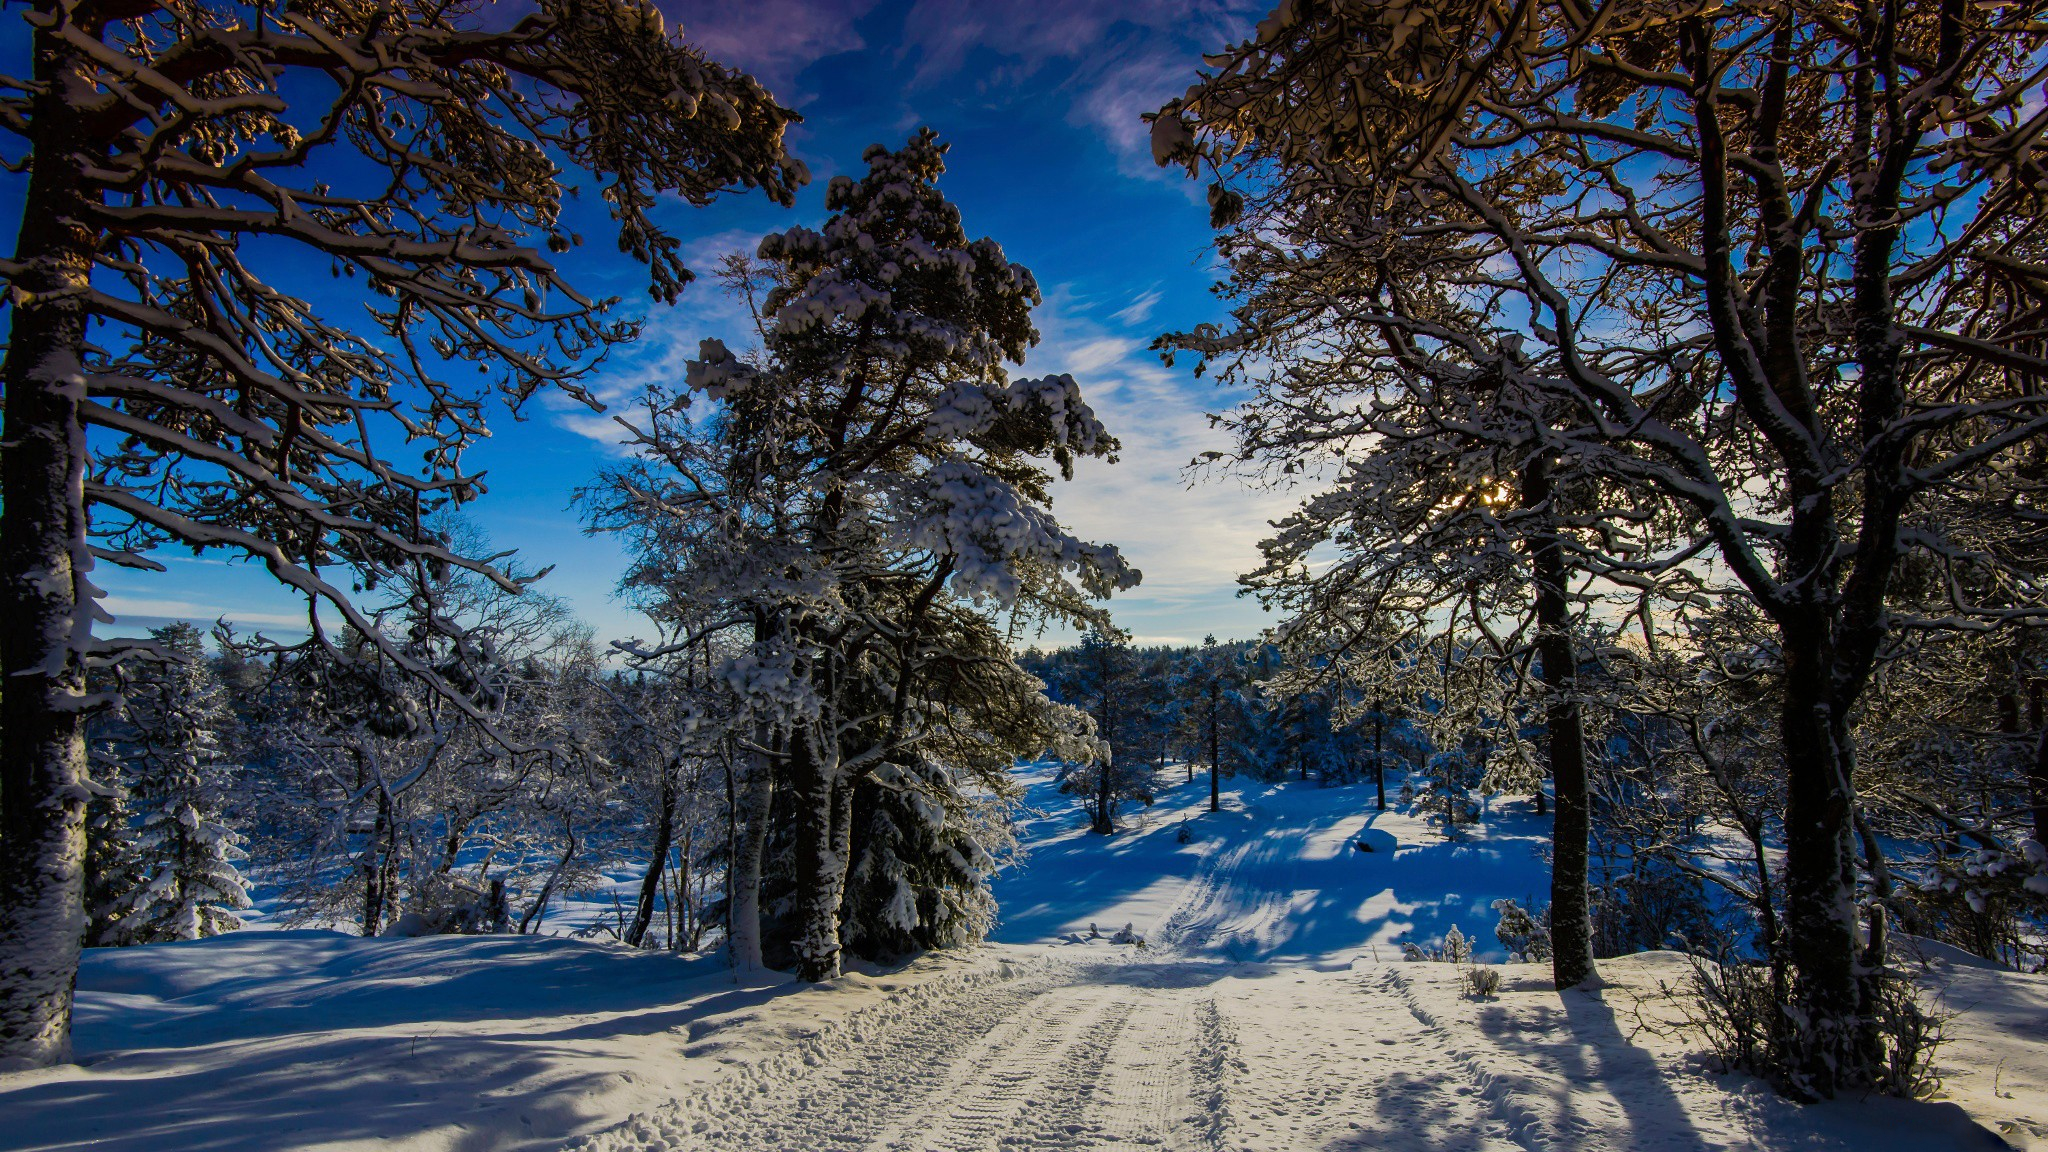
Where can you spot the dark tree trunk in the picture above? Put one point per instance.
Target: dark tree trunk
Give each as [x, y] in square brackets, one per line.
[377, 867]
[657, 857]
[820, 870]
[2038, 779]
[1820, 868]
[1215, 759]
[1571, 915]
[45, 600]
[750, 844]
[1379, 763]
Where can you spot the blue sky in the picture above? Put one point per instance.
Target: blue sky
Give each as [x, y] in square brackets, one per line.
[1040, 102]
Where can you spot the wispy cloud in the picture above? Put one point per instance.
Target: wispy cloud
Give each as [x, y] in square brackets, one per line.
[1126, 59]
[1139, 310]
[774, 40]
[669, 338]
[1118, 61]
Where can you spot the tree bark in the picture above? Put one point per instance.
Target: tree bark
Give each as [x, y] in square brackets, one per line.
[1820, 869]
[1379, 764]
[743, 916]
[46, 599]
[1571, 914]
[820, 868]
[1215, 760]
[657, 857]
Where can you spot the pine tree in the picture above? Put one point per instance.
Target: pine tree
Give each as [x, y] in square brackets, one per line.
[870, 489]
[115, 883]
[179, 756]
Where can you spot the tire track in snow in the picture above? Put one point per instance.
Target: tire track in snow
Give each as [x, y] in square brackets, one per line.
[1194, 918]
[1014, 1067]
[1145, 1101]
[1035, 1095]
[835, 1092]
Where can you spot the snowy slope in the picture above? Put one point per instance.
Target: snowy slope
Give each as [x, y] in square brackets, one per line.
[1272, 877]
[1257, 1017]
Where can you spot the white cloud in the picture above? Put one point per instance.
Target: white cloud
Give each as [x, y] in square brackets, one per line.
[126, 608]
[1190, 537]
[1140, 309]
[668, 338]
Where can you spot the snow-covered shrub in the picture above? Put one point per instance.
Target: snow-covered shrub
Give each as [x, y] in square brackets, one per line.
[1650, 903]
[1414, 952]
[1128, 935]
[447, 904]
[1457, 949]
[1526, 936]
[1988, 901]
[1746, 1014]
[1482, 981]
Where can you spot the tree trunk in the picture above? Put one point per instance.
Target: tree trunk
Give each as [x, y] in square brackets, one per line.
[1820, 871]
[743, 914]
[46, 599]
[820, 869]
[1103, 824]
[538, 912]
[376, 867]
[2038, 779]
[657, 857]
[683, 909]
[1571, 913]
[1215, 759]
[1379, 764]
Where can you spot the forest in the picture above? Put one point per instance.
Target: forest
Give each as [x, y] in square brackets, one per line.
[1658, 388]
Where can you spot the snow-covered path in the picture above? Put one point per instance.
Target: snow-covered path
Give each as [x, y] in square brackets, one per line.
[1267, 1012]
[1054, 1054]
[1185, 1055]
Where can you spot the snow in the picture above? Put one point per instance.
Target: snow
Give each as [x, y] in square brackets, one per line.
[1274, 877]
[1267, 1011]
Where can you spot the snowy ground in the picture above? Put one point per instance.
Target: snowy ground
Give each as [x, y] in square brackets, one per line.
[1266, 1012]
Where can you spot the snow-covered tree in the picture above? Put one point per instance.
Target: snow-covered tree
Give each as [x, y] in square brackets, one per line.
[1524, 934]
[1779, 269]
[1217, 707]
[1103, 677]
[186, 165]
[179, 760]
[380, 788]
[862, 488]
[113, 863]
